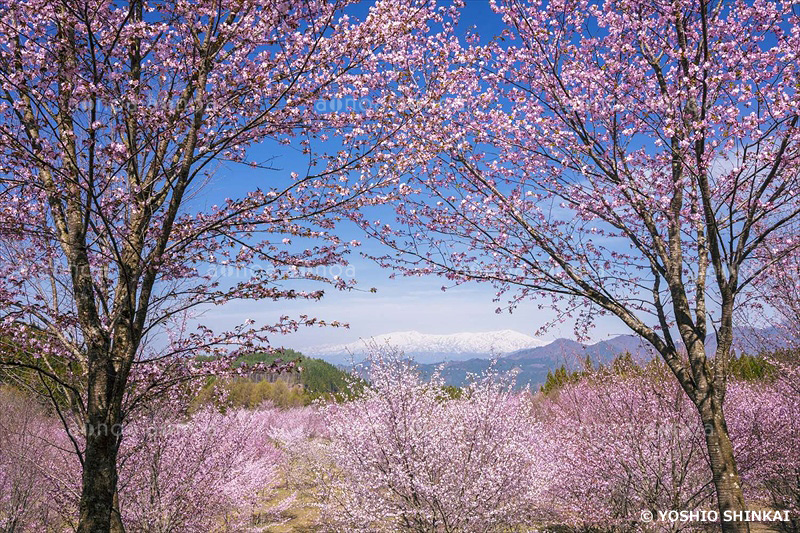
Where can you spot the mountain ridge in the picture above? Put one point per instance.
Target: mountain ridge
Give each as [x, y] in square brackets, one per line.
[432, 348]
[532, 363]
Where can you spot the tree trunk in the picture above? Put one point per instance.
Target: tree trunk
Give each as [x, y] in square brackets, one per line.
[99, 478]
[103, 434]
[723, 467]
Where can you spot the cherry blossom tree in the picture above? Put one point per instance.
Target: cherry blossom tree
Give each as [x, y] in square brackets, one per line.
[621, 443]
[405, 456]
[765, 425]
[776, 298]
[626, 439]
[628, 157]
[207, 471]
[113, 116]
[39, 476]
[178, 472]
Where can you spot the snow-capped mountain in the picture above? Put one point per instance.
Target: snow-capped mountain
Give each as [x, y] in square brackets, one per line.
[425, 347]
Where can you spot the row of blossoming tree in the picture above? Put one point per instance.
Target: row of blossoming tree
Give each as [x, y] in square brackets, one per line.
[634, 158]
[409, 455]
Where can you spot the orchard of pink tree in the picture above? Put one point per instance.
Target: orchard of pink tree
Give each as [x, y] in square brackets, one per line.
[635, 158]
[408, 455]
[405, 453]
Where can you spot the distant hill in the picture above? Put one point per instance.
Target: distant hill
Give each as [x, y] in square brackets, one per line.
[532, 364]
[318, 377]
[572, 353]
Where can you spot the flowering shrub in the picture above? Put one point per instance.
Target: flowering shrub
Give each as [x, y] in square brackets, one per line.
[211, 471]
[407, 456]
[199, 474]
[38, 476]
[765, 423]
[620, 444]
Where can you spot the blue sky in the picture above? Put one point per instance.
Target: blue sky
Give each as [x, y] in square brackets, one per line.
[399, 304]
